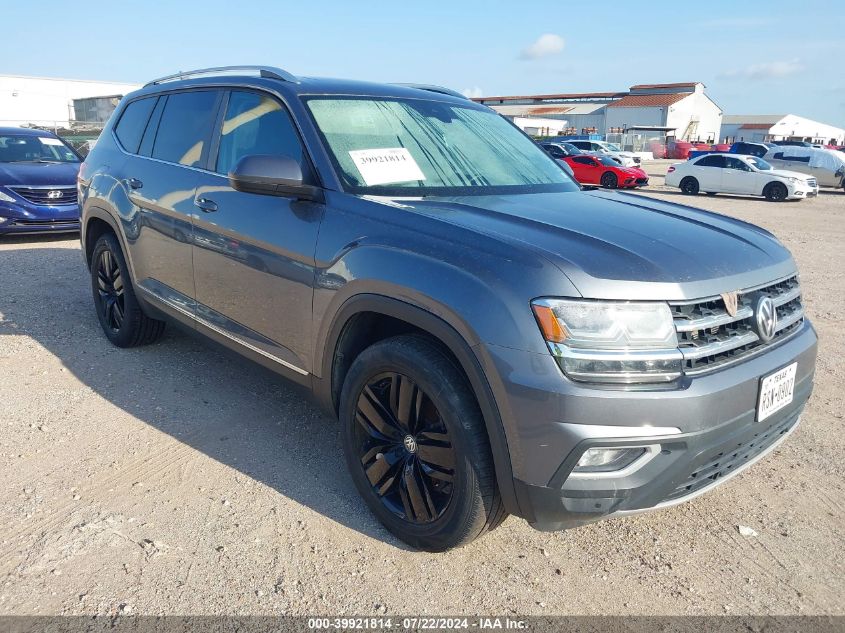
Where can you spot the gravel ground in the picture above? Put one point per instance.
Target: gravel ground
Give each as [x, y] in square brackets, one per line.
[177, 479]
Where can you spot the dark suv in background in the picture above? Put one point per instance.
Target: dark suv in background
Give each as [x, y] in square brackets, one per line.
[492, 339]
[37, 182]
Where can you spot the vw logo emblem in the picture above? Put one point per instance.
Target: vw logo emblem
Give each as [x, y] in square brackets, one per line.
[410, 444]
[765, 318]
[55, 194]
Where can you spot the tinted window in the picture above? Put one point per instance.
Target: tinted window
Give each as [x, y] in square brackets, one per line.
[185, 127]
[554, 151]
[256, 124]
[146, 148]
[584, 160]
[133, 122]
[779, 156]
[711, 161]
[735, 163]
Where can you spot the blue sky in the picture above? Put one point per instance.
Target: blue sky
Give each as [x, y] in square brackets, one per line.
[755, 57]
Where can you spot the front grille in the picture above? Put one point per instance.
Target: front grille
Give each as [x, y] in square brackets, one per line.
[709, 338]
[642, 181]
[52, 223]
[730, 458]
[42, 195]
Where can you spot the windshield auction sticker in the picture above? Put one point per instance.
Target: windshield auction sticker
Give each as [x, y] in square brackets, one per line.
[46, 140]
[381, 166]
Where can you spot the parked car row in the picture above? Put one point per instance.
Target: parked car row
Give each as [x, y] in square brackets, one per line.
[595, 168]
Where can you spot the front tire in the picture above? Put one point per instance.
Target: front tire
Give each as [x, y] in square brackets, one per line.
[689, 186]
[609, 180]
[776, 192]
[416, 445]
[121, 317]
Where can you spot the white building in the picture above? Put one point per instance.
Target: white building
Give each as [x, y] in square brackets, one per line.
[680, 110]
[779, 127]
[48, 101]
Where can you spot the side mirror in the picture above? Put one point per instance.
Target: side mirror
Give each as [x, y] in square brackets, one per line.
[271, 176]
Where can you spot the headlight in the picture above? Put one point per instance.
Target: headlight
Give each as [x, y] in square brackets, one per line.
[5, 197]
[616, 342]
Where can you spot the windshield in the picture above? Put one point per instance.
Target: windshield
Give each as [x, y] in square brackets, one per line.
[613, 147]
[607, 160]
[27, 148]
[759, 163]
[415, 147]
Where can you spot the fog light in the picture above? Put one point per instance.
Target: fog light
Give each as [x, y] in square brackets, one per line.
[614, 461]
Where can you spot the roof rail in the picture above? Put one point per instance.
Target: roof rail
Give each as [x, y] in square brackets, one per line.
[438, 89]
[262, 71]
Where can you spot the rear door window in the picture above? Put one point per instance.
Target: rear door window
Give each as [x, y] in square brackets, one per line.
[711, 161]
[130, 128]
[185, 128]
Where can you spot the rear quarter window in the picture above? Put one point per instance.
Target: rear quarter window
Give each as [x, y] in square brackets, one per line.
[130, 128]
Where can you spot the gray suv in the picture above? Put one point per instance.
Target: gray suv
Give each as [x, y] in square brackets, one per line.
[492, 339]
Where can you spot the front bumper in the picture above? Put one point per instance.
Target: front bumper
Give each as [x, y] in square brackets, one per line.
[799, 192]
[705, 430]
[20, 219]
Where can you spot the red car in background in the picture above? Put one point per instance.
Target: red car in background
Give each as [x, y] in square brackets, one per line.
[602, 170]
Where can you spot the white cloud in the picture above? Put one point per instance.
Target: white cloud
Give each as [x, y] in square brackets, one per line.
[767, 70]
[545, 45]
[472, 93]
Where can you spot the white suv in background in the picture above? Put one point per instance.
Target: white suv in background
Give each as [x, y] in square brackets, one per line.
[628, 159]
[736, 173]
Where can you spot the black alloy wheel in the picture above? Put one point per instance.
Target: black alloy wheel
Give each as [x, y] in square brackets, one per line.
[776, 192]
[120, 315]
[689, 186]
[609, 180]
[110, 290]
[416, 444]
[404, 448]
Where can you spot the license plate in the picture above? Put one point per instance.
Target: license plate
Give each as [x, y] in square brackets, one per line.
[776, 391]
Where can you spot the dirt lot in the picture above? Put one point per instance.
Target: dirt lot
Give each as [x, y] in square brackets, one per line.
[176, 479]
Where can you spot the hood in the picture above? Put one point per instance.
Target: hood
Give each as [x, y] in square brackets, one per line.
[633, 171]
[783, 173]
[38, 174]
[614, 245]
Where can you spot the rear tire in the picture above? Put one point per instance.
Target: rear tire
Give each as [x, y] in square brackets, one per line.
[775, 192]
[609, 180]
[121, 317]
[416, 445]
[689, 186]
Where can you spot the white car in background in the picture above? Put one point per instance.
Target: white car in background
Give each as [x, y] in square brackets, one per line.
[627, 159]
[827, 166]
[736, 173]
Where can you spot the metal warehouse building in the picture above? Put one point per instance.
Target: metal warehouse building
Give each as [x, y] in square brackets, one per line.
[51, 102]
[779, 127]
[679, 110]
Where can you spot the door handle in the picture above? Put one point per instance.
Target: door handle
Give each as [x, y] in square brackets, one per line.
[209, 206]
[134, 183]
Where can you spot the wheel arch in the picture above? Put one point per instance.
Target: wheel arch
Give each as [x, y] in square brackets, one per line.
[367, 318]
[98, 221]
